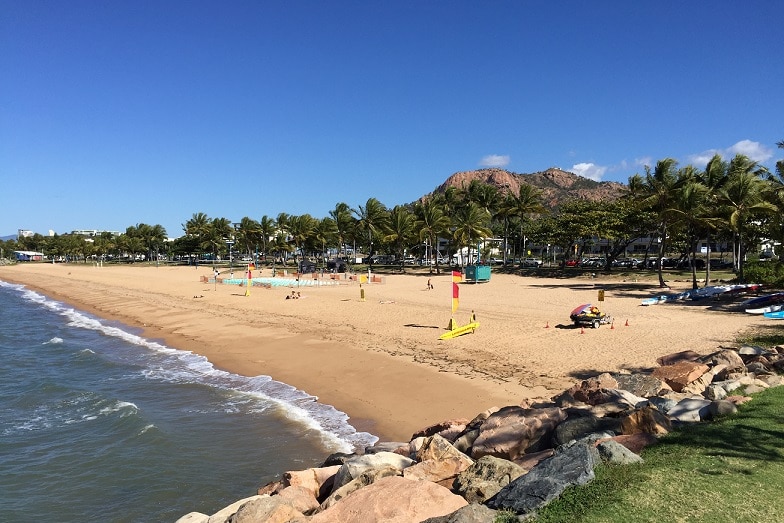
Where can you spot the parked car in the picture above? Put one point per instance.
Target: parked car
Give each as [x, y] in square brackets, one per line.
[721, 264]
[626, 263]
[529, 263]
[593, 262]
[572, 263]
[683, 263]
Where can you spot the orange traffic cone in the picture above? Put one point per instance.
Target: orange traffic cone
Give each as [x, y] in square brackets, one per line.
[612, 326]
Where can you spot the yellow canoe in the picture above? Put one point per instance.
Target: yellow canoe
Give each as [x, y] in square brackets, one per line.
[459, 331]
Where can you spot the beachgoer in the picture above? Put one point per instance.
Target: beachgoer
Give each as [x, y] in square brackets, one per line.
[429, 285]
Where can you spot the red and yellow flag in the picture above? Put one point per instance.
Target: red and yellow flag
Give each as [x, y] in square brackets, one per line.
[456, 277]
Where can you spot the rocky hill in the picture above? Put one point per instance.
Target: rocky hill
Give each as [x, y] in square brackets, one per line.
[557, 185]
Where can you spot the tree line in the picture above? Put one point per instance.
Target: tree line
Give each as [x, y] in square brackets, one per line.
[738, 202]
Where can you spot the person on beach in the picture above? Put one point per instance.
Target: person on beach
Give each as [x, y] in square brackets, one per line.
[429, 285]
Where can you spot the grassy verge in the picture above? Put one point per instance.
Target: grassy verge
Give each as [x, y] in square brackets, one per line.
[730, 470]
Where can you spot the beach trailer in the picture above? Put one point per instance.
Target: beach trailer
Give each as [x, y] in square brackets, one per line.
[28, 256]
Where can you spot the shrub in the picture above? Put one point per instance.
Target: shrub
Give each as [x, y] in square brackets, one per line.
[769, 273]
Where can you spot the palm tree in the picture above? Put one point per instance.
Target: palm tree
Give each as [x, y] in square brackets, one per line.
[690, 211]
[344, 221]
[198, 227]
[656, 192]
[371, 220]
[105, 243]
[280, 246]
[283, 222]
[152, 236]
[301, 229]
[267, 228]
[524, 204]
[713, 177]
[484, 195]
[742, 198]
[219, 231]
[400, 230]
[470, 225]
[325, 232]
[248, 235]
[431, 222]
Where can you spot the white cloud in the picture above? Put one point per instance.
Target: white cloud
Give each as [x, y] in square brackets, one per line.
[754, 150]
[589, 170]
[495, 160]
[642, 162]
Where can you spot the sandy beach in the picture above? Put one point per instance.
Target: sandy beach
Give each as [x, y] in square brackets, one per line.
[380, 360]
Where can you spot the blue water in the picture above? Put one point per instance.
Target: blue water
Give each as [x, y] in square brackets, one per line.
[100, 424]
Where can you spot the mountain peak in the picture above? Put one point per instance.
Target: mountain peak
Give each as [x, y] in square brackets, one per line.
[556, 184]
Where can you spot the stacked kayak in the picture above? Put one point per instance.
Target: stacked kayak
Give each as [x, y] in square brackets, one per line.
[764, 304]
[705, 292]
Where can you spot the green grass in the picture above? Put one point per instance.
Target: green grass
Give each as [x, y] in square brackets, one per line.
[730, 470]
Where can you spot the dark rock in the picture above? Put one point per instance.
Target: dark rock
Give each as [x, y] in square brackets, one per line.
[571, 465]
[757, 367]
[337, 458]
[577, 427]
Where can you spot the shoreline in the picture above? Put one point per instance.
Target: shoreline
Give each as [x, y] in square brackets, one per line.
[379, 361]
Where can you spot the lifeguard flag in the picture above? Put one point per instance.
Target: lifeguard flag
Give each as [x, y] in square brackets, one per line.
[456, 277]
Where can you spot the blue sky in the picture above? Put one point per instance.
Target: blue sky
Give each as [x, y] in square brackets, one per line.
[114, 113]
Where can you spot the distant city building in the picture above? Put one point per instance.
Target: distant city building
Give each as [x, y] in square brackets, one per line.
[89, 233]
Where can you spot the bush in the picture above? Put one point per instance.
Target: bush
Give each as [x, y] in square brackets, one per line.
[769, 273]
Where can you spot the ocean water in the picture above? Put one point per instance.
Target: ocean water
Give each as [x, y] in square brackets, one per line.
[99, 424]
